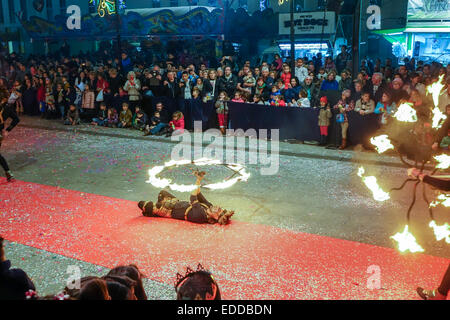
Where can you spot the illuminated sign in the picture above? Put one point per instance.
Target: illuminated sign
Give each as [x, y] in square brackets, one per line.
[308, 23]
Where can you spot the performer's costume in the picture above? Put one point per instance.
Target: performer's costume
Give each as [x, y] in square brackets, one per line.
[5, 113]
[168, 206]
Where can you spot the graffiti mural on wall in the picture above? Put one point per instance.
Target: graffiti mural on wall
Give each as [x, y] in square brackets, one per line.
[198, 21]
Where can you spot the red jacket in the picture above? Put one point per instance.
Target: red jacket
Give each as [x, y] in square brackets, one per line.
[286, 78]
[102, 84]
[40, 94]
[178, 124]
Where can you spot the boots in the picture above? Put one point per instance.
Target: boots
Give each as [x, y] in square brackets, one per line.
[9, 176]
[323, 140]
[344, 144]
[222, 130]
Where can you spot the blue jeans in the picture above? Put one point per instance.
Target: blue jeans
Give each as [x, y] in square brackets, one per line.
[100, 122]
[158, 128]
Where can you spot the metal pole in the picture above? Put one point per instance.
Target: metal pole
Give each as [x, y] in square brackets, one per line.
[119, 46]
[292, 37]
[356, 39]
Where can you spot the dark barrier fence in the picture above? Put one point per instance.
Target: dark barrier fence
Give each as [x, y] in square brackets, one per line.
[293, 123]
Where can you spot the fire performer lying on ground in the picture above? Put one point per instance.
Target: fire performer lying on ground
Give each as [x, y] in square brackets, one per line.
[198, 210]
[5, 113]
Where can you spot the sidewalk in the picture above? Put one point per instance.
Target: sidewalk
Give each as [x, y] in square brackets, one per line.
[291, 148]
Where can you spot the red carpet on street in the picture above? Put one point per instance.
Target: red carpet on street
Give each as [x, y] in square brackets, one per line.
[249, 261]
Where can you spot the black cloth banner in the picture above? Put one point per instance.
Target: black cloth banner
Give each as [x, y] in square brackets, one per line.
[293, 122]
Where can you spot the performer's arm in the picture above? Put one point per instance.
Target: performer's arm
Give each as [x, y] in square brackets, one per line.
[440, 184]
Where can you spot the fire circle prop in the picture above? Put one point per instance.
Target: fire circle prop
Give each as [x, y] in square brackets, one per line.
[238, 174]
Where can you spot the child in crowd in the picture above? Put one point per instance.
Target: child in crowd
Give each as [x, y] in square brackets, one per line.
[102, 117]
[113, 118]
[222, 111]
[72, 117]
[140, 119]
[249, 82]
[258, 99]
[278, 101]
[88, 99]
[125, 117]
[386, 107]
[303, 100]
[60, 100]
[365, 105]
[324, 120]
[344, 105]
[155, 120]
[322, 75]
[238, 97]
[176, 125]
[50, 111]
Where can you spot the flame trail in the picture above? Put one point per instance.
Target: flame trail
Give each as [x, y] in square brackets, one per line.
[382, 143]
[163, 183]
[406, 113]
[443, 161]
[406, 241]
[435, 90]
[441, 232]
[442, 199]
[371, 183]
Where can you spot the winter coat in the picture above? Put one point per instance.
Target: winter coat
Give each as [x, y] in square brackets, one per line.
[126, 116]
[221, 107]
[14, 283]
[177, 124]
[344, 107]
[88, 100]
[132, 87]
[324, 117]
[368, 107]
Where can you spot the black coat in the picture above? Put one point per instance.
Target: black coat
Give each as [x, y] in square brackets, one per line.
[8, 112]
[229, 86]
[14, 283]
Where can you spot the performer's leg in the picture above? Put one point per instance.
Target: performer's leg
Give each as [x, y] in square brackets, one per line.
[203, 200]
[4, 164]
[445, 284]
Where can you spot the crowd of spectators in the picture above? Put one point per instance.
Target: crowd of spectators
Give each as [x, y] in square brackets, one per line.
[107, 91]
[120, 283]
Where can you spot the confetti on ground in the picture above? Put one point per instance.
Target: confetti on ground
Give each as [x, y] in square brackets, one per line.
[249, 261]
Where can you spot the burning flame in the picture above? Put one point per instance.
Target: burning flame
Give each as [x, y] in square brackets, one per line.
[382, 143]
[163, 183]
[406, 113]
[371, 183]
[406, 241]
[435, 90]
[441, 232]
[442, 199]
[443, 161]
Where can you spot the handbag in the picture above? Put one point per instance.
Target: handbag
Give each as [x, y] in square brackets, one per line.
[100, 96]
[340, 118]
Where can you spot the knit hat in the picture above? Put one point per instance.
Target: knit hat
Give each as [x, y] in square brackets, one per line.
[324, 99]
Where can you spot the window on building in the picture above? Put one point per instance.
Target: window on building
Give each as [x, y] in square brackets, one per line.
[212, 3]
[12, 13]
[24, 9]
[62, 6]
[156, 3]
[174, 3]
